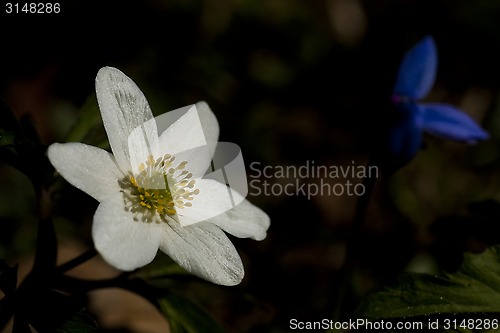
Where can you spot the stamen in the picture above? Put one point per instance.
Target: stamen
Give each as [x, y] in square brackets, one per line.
[148, 194]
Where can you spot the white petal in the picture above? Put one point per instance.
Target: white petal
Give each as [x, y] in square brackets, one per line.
[90, 169]
[198, 159]
[142, 143]
[225, 166]
[213, 199]
[123, 242]
[184, 134]
[124, 108]
[190, 133]
[208, 122]
[188, 127]
[204, 250]
[229, 168]
[244, 221]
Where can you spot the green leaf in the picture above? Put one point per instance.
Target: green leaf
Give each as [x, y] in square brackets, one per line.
[81, 322]
[7, 138]
[8, 145]
[473, 289]
[186, 317]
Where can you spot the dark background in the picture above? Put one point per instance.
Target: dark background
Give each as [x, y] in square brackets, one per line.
[290, 81]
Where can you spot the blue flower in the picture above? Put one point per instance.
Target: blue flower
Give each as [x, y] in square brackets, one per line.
[415, 80]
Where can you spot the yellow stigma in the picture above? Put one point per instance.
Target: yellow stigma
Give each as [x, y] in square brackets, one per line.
[160, 188]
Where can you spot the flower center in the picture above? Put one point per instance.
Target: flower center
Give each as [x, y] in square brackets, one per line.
[160, 188]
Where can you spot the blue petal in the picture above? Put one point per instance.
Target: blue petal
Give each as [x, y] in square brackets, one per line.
[406, 135]
[418, 70]
[448, 122]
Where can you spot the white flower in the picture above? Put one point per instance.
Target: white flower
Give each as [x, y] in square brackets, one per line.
[136, 217]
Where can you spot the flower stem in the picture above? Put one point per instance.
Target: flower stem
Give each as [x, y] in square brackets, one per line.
[85, 256]
[76, 285]
[353, 247]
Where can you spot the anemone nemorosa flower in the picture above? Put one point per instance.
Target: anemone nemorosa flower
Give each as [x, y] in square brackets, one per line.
[136, 217]
[414, 81]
